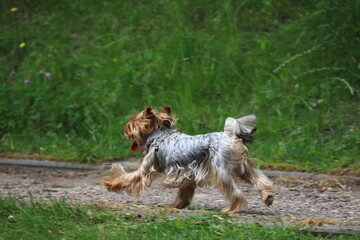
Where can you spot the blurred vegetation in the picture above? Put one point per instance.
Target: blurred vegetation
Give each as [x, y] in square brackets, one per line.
[73, 71]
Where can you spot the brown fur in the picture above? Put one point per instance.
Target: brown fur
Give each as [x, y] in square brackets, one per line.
[247, 172]
[185, 195]
[142, 124]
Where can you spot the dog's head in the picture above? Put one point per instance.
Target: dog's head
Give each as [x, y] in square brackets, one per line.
[143, 124]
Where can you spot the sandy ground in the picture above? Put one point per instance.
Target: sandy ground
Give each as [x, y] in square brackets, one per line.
[330, 201]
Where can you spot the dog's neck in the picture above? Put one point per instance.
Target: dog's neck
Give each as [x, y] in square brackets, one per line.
[159, 135]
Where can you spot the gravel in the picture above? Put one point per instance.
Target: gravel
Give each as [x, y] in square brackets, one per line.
[300, 200]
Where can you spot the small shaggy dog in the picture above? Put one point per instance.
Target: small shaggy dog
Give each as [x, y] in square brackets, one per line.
[185, 162]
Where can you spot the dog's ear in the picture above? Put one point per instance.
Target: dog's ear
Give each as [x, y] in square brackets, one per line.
[167, 110]
[148, 111]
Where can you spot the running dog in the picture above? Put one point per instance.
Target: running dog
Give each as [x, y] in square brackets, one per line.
[186, 162]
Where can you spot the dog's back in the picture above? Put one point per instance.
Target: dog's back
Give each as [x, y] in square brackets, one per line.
[181, 149]
[177, 149]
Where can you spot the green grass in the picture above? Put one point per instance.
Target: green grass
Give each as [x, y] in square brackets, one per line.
[295, 64]
[58, 219]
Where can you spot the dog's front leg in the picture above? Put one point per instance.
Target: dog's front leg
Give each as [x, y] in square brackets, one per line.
[185, 195]
[135, 182]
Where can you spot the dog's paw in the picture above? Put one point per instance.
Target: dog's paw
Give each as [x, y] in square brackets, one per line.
[180, 204]
[233, 210]
[229, 210]
[269, 200]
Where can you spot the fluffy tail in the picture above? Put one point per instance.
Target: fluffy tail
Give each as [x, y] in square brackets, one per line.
[118, 180]
[242, 127]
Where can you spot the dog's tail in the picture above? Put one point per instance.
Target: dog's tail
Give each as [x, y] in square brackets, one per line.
[118, 180]
[242, 127]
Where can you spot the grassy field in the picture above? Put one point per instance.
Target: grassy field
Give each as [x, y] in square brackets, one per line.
[58, 219]
[73, 71]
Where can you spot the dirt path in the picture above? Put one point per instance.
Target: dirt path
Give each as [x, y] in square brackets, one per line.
[330, 201]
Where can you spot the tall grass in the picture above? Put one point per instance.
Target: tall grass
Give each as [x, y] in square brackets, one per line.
[294, 64]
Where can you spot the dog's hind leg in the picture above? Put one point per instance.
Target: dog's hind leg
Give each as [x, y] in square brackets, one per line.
[226, 184]
[185, 195]
[243, 167]
[234, 194]
[263, 185]
[257, 178]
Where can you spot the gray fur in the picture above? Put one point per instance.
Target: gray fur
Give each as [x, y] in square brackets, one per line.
[180, 156]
